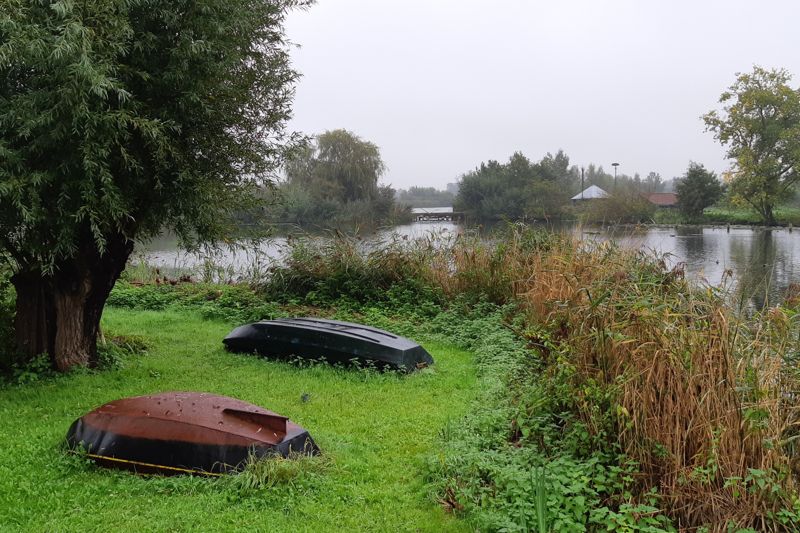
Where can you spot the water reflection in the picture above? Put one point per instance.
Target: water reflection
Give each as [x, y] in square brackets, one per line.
[759, 262]
[763, 266]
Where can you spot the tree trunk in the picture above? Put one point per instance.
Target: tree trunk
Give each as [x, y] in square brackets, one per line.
[59, 314]
[35, 315]
[75, 331]
[769, 217]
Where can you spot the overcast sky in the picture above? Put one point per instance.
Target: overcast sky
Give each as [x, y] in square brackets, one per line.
[441, 85]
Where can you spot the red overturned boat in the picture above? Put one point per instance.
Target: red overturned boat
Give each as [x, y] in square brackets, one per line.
[185, 432]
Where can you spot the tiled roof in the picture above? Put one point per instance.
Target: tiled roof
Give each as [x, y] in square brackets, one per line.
[664, 199]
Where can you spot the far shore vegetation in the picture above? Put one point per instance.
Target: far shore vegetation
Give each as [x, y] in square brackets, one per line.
[333, 181]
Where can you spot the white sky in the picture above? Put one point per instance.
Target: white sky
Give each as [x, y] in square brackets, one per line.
[441, 85]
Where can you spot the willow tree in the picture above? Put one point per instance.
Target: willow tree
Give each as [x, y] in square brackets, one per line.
[338, 164]
[119, 118]
[760, 127]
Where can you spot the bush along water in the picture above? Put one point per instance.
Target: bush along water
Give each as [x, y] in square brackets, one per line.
[615, 394]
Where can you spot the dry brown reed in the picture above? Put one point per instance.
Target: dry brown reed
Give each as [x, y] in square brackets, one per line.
[706, 401]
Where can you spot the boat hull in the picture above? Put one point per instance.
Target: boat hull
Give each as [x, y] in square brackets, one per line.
[329, 340]
[185, 432]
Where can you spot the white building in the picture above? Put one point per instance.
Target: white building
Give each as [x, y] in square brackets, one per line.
[592, 192]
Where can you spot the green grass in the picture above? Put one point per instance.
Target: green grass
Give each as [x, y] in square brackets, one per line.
[722, 215]
[375, 431]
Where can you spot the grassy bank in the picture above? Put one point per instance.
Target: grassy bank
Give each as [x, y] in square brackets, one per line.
[598, 390]
[375, 430]
[725, 215]
[784, 216]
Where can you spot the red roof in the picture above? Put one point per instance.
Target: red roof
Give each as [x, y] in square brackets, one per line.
[663, 199]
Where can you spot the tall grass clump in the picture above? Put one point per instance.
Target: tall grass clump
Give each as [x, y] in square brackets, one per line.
[642, 368]
[321, 271]
[704, 402]
[490, 268]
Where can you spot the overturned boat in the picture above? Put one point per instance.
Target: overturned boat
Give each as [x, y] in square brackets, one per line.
[329, 340]
[185, 432]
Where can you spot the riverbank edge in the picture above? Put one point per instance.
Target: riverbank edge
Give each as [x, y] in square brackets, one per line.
[788, 227]
[541, 312]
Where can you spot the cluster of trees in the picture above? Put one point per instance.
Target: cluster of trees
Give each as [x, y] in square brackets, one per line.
[596, 175]
[519, 189]
[696, 189]
[759, 125]
[425, 197]
[334, 179]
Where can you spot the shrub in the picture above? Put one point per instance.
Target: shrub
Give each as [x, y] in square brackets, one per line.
[231, 303]
[520, 460]
[638, 374]
[622, 208]
[321, 271]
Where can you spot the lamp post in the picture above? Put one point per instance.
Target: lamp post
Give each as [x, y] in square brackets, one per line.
[615, 165]
[581, 183]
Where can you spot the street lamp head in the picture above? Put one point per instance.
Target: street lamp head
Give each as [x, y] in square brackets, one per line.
[615, 165]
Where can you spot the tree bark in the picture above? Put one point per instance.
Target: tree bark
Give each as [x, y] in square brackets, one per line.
[59, 314]
[35, 315]
[768, 215]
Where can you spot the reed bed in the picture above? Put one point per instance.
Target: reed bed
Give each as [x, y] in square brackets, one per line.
[703, 400]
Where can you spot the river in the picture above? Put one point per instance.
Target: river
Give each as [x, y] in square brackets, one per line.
[760, 264]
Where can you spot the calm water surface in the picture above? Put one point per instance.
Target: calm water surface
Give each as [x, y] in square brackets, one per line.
[756, 265]
[760, 264]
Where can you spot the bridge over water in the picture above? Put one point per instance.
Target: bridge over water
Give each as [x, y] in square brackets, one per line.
[437, 214]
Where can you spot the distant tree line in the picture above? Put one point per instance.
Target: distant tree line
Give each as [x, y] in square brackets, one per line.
[425, 197]
[524, 190]
[334, 180]
[653, 182]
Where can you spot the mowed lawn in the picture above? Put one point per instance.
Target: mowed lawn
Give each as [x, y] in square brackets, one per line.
[375, 431]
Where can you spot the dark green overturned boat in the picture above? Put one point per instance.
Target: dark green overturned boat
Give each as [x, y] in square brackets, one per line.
[328, 340]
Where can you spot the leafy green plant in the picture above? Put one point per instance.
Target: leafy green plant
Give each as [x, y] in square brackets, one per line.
[113, 351]
[231, 303]
[35, 369]
[324, 271]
